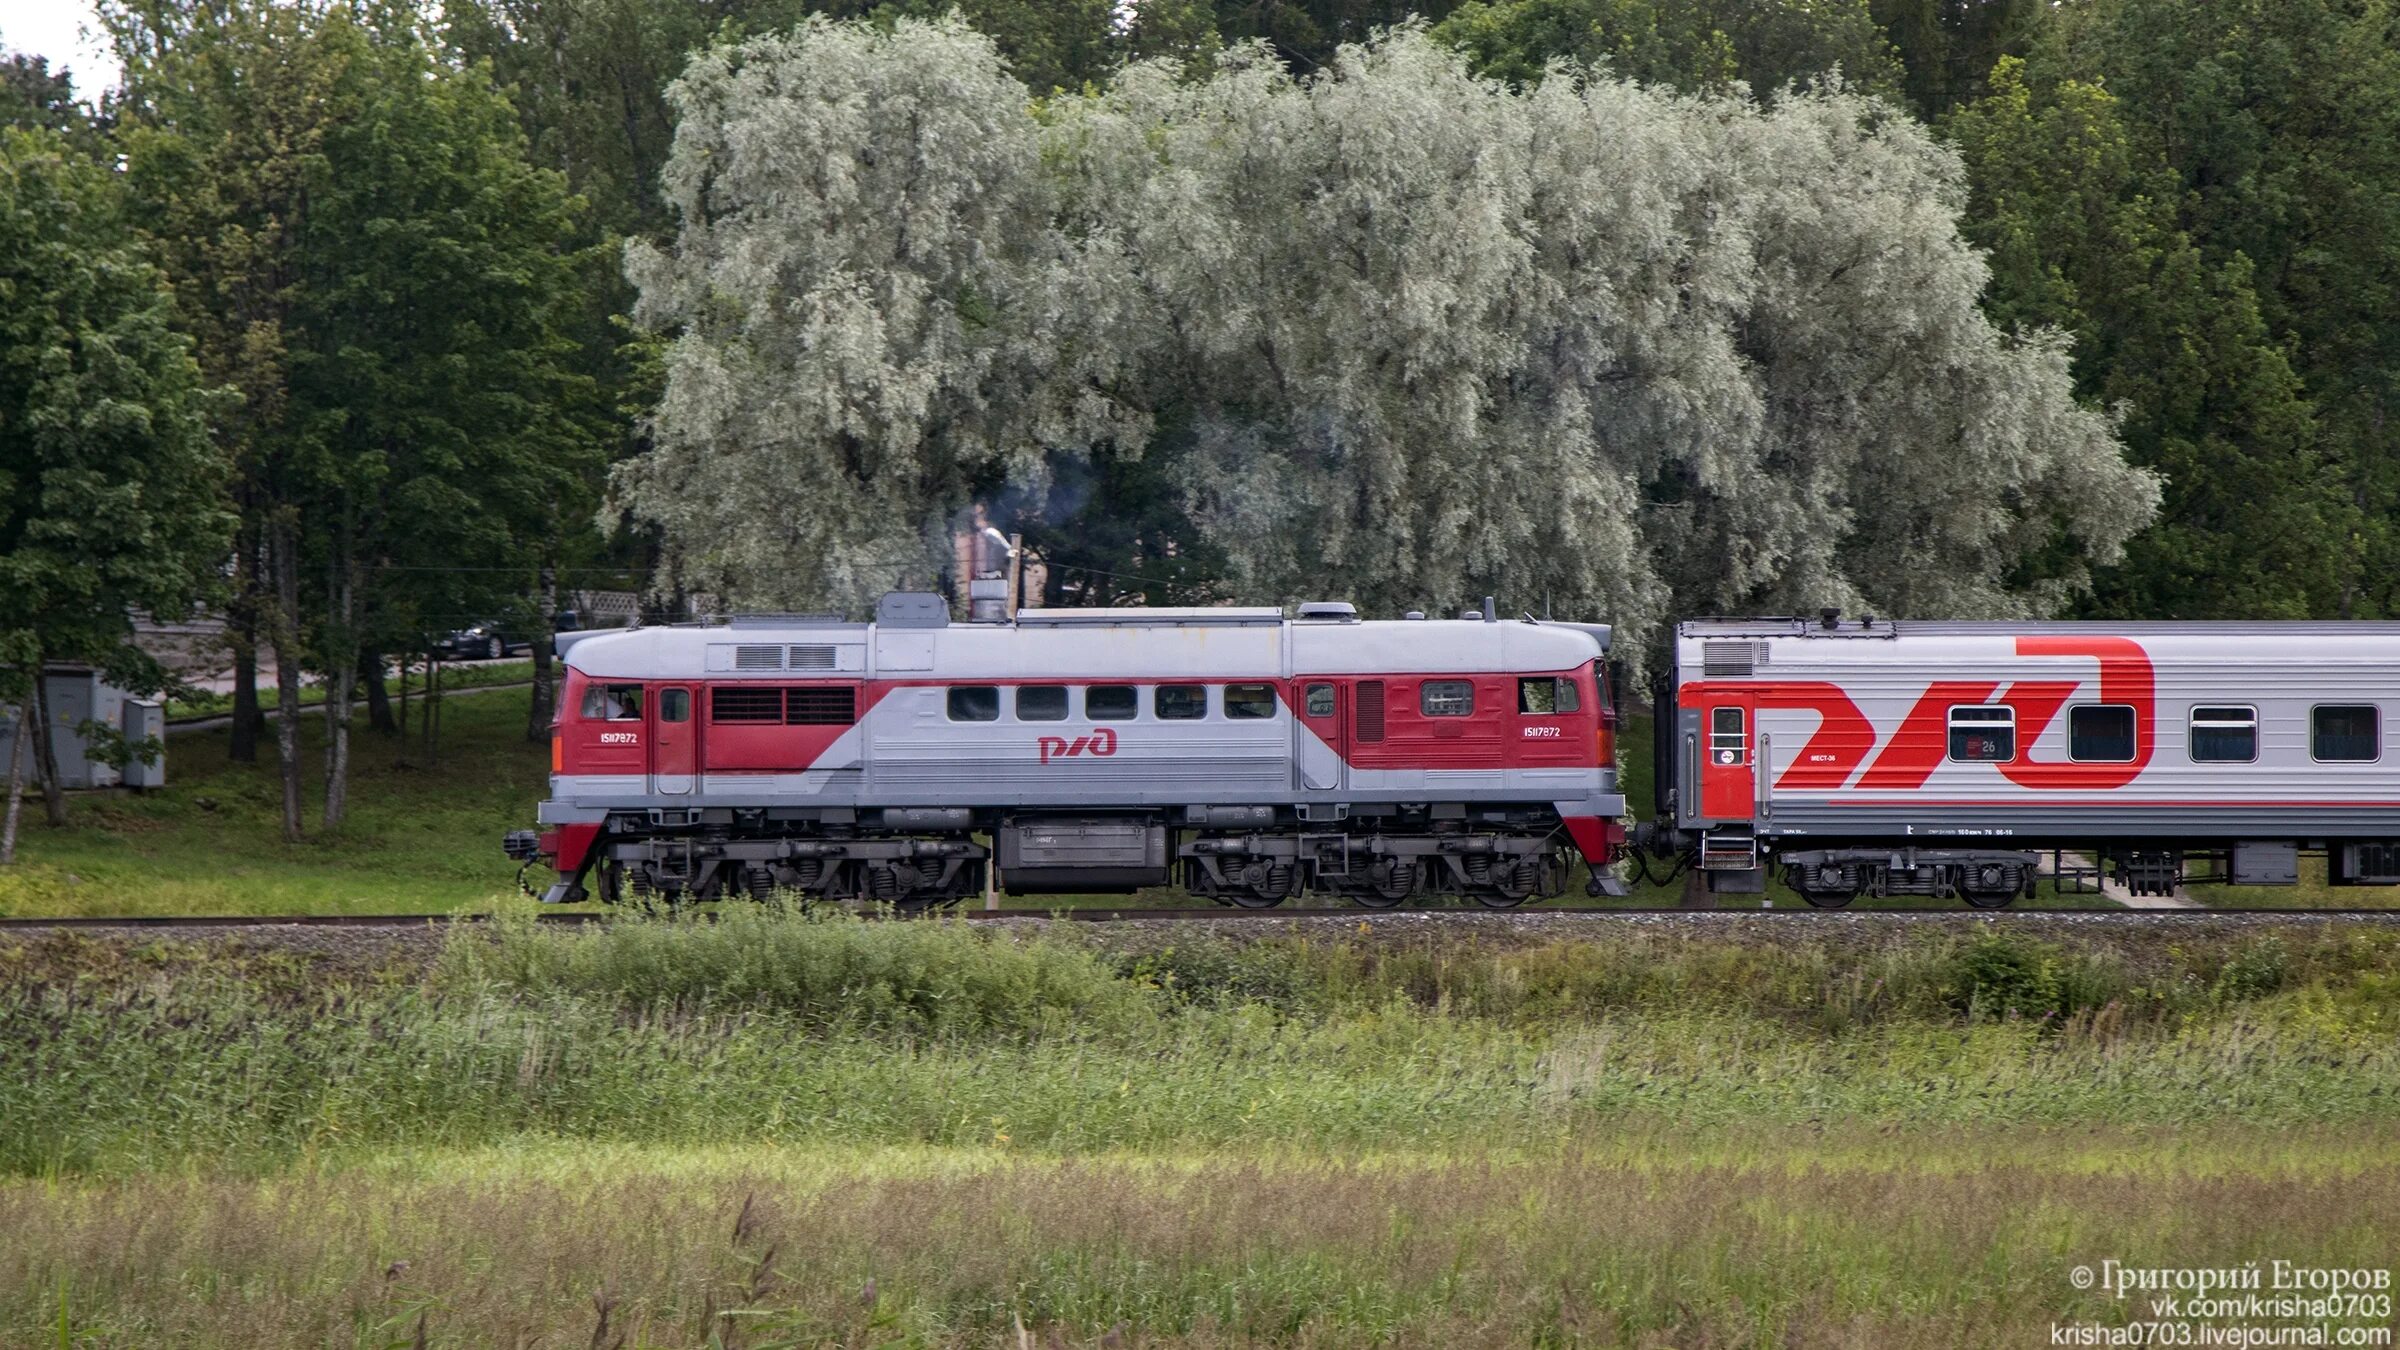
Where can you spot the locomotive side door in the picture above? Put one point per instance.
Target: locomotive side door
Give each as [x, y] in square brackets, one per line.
[1318, 746]
[1728, 772]
[673, 741]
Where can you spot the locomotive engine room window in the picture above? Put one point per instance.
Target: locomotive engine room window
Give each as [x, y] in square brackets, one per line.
[1547, 696]
[820, 707]
[1370, 710]
[674, 705]
[2100, 733]
[1727, 741]
[2224, 735]
[744, 703]
[974, 703]
[1042, 703]
[1111, 703]
[612, 703]
[1320, 700]
[1250, 700]
[1980, 733]
[1180, 702]
[1446, 698]
[2343, 733]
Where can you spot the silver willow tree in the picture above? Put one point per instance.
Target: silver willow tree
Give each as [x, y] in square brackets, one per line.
[1429, 336]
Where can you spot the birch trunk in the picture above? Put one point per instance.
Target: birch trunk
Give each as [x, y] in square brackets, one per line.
[16, 783]
[287, 675]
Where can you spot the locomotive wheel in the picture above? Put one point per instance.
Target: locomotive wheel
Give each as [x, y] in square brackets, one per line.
[1388, 886]
[1511, 885]
[1988, 899]
[1828, 899]
[1272, 887]
[608, 880]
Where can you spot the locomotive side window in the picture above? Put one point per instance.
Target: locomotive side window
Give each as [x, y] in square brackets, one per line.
[674, 705]
[1547, 696]
[2100, 733]
[1111, 702]
[1447, 698]
[820, 707]
[612, 703]
[1981, 733]
[744, 703]
[2224, 735]
[1250, 700]
[1042, 703]
[1370, 710]
[1180, 702]
[974, 703]
[1320, 700]
[2343, 733]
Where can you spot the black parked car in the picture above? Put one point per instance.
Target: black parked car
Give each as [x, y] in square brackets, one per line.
[493, 639]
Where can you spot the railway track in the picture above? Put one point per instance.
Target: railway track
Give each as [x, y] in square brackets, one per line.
[1724, 916]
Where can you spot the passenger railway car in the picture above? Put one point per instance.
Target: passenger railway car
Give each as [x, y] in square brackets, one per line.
[1936, 758]
[1248, 755]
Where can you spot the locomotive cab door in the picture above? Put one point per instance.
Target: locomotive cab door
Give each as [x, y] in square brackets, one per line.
[674, 741]
[1318, 746]
[1729, 749]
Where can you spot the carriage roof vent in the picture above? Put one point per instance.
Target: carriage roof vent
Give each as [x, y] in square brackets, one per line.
[1339, 611]
[912, 609]
[767, 619]
[1720, 659]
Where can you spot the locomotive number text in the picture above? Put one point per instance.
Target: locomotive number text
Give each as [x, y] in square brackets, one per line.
[1543, 733]
[620, 738]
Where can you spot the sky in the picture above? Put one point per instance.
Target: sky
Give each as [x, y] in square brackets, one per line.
[49, 28]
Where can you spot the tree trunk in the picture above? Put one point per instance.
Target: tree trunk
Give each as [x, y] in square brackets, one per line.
[341, 671]
[379, 694]
[241, 624]
[287, 674]
[45, 755]
[430, 715]
[16, 783]
[537, 715]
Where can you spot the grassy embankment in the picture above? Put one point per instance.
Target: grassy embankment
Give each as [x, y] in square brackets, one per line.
[826, 1132]
[425, 838]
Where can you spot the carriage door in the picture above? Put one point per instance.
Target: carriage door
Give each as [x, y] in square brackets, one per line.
[1318, 745]
[1728, 777]
[673, 744]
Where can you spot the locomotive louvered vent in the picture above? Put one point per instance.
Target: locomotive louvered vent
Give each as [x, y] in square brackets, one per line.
[1719, 659]
[820, 707]
[812, 658]
[748, 657]
[1370, 710]
[745, 703]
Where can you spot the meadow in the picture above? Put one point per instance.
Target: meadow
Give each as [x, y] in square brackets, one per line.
[789, 1130]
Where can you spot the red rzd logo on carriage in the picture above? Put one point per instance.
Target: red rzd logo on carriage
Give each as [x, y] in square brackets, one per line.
[1101, 742]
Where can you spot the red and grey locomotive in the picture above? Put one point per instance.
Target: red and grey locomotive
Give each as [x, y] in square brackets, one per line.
[1247, 755]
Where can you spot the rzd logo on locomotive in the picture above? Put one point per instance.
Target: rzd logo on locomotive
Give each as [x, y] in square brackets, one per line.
[1101, 742]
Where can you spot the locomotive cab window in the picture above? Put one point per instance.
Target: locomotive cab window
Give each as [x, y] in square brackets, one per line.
[1250, 700]
[974, 703]
[2226, 735]
[1547, 696]
[1446, 698]
[2345, 733]
[2100, 733]
[674, 705]
[1320, 700]
[1042, 703]
[612, 703]
[1980, 733]
[1111, 703]
[1180, 702]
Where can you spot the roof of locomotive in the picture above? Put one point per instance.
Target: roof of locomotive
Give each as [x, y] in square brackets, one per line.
[1227, 643]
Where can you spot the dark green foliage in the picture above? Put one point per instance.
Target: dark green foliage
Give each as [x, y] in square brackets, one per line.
[1690, 44]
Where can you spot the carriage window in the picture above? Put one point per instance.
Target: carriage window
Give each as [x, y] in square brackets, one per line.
[1042, 703]
[1250, 700]
[974, 703]
[1111, 703]
[674, 705]
[1547, 696]
[2345, 733]
[2224, 735]
[612, 703]
[1980, 732]
[1727, 741]
[1447, 698]
[2100, 733]
[1180, 702]
[1320, 700]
